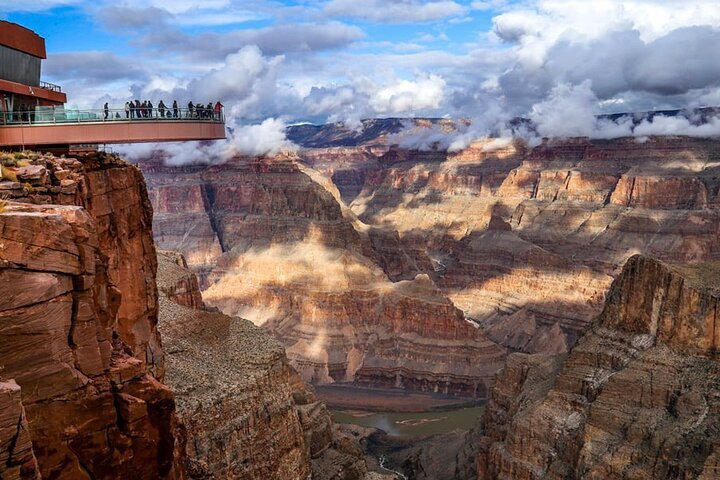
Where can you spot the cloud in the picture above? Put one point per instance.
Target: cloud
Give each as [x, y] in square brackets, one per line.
[119, 18]
[273, 40]
[394, 11]
[267, 138]
[405, 96]
[488, 5]
[364, 98]
[549, 60]
[92, 67]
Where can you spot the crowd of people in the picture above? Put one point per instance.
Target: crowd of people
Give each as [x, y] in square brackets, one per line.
[146, 109]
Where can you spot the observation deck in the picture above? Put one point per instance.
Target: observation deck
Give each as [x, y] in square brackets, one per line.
[52, 126]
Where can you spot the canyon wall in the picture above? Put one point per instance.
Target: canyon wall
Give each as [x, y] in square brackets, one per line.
[298, 262]
[525, 241]
[637, 397]
[246, 412]
[358, 256]
[79, 349]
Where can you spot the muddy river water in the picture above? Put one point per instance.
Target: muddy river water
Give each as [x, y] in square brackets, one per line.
[412, 424]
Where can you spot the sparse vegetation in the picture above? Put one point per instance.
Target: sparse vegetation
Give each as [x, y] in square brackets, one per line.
[3, 206]
[28, 188]
[19, 155]
[7, 174]
[23, 163]
[7, 160]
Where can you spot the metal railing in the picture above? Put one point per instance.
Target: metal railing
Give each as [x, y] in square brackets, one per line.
[50, 86]
[52, 115]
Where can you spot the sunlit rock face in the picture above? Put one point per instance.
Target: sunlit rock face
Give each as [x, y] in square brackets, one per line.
[298, 262]
[246, 413]
[80, 353]
[635, 398]
[526, 241]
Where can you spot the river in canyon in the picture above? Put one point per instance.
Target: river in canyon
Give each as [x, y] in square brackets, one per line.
[412, 424]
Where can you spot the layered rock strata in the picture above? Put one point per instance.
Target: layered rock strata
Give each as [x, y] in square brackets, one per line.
[114, 194]
[637, 397]
[246, 412]
[92, 408]
[526, 241]
[17, 459]
[299, 263]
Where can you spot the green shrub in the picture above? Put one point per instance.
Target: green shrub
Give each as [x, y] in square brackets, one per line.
[19, 155]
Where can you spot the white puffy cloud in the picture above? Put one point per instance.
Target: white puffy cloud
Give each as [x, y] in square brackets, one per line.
[365, 98]
[559, 62]
[266, 138]
[408, 96]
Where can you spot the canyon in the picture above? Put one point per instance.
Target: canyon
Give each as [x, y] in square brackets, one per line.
[87, 387]
[573, 285]
[294, 260]
[247, 413]
[422, 270]
[637, 397]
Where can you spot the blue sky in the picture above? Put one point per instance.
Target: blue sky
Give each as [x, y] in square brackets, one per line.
[328, 60]
[76, 28]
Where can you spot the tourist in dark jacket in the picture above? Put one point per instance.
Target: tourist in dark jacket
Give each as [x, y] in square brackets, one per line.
[151, 114]
[138, 111]
[191, 109]
[127, 109]
[161, 109]
[106, 110]
[175, 109]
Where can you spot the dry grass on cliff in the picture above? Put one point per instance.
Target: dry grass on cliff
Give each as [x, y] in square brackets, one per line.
[7, 174]
[703, 276]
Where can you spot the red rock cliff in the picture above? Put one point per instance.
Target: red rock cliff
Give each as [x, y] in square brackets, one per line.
[635, 398]
[77, 323]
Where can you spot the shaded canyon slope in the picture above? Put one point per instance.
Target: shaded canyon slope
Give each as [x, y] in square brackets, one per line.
[637, 397]
[246, 412]
[81, 361]
[272, 243]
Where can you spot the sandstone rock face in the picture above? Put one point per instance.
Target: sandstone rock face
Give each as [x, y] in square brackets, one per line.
[637, 397]
[298, 262]
[246, 412]
[527, 241]
[176, 282]
[17, 460]
[92, 410]
[114, 194]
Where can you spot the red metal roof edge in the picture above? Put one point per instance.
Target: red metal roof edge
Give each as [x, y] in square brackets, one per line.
[37, 92]
[21, 38]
